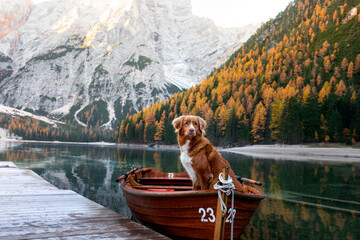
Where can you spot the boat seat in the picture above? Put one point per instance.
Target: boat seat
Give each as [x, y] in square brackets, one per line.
[163, 187]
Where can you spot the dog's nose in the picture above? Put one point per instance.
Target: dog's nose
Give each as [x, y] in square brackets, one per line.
[191, 130]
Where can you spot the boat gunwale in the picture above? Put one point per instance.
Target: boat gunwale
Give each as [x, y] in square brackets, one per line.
[126, 187]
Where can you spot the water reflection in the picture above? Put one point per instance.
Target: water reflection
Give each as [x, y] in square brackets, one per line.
[306, 200]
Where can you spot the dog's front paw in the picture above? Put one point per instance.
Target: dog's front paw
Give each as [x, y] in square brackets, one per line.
[196, 185]
[210, 177]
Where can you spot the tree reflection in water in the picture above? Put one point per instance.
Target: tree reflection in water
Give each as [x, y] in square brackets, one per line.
[305, 200]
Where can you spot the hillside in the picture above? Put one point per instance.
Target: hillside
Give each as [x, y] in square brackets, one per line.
[18, 124]
[296, 80]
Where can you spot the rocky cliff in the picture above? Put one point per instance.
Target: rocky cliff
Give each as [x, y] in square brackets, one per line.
[92, 62]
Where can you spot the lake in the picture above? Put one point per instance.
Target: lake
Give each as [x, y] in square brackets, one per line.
[305, 199]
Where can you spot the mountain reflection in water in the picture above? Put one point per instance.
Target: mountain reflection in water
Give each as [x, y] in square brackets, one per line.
[305, 200]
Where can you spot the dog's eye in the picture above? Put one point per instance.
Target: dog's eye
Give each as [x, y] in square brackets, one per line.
[195, 123]
[186, 123]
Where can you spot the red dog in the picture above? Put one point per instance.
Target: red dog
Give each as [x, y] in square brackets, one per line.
[199, 157]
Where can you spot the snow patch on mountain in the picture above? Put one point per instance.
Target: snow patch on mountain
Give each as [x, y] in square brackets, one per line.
[19, 113]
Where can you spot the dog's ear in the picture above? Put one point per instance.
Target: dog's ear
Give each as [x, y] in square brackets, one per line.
[202, 124]
[177, 123]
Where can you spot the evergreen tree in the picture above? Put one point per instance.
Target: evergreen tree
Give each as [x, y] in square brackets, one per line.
[149, 134]
[333, 119]
[231, 133]
[169, 132]
[311, 119]
[130, 131]
[355, 121]
[291, 130]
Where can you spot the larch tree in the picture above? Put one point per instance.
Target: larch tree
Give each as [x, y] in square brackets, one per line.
[357, 64]
[324, 92]
[122, 136]
[350, 70]
[150, 128]
[344, 64]
[335, 17]
[327, 64]
[259, 123]
[160, 127]
[337, 73]
[276, 113]
[340, 89]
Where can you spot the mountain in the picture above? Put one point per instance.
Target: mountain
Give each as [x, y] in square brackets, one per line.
[93, 62]
[296, 80]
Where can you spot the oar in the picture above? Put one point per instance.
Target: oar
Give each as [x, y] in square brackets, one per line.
[247, 180]
[125, 175]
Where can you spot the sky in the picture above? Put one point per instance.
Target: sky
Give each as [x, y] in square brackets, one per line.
[234, 13]
[238, 13]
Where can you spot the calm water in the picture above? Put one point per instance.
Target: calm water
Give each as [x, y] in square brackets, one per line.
[305, 200]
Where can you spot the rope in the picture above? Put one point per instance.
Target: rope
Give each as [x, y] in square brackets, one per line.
[227, 187]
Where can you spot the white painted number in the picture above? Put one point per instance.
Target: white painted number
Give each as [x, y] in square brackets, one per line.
[170, 175]
[232, 213]
[208, 215]
[212, 216]
[201, 210]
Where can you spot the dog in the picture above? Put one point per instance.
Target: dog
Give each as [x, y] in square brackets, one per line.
[199, 157]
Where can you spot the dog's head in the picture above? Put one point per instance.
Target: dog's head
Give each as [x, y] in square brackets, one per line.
[189, 126]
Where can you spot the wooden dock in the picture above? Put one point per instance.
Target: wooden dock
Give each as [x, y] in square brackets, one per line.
[32, 208]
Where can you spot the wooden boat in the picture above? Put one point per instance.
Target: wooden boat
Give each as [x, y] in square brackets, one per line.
[166, 203]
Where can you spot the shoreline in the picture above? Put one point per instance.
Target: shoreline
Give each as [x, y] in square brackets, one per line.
[300, 153]
[282, 152]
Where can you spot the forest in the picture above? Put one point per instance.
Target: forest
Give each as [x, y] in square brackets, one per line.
[296, 80]
[33, 129]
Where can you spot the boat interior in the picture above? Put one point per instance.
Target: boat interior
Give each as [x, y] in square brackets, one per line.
[151, 180]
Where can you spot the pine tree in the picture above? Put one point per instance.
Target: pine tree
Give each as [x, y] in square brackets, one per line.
[149, 132]
[231, 133]
[333, 118]
[169, 132]
[291, 129]
[311, 119]
[355, 120]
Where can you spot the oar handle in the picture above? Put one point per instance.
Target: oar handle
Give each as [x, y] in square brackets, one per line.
[125, 175]
[247, 180]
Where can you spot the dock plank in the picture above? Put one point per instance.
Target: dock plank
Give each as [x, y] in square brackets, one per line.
[32, 208]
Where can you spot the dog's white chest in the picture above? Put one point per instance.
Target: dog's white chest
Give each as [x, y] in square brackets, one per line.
[186, 160]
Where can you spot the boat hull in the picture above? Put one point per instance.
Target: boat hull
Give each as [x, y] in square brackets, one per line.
[189, 214]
